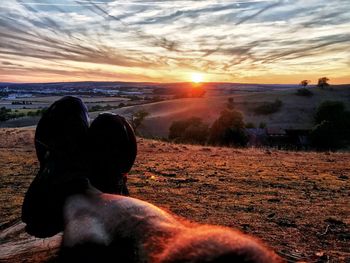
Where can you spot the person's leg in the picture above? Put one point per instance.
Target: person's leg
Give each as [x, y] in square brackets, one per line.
[59, 141]
[112, 152]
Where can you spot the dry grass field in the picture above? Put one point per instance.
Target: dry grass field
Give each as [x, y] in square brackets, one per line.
[297, 202]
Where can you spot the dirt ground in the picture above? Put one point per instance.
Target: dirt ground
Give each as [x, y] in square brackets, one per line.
[297, 202]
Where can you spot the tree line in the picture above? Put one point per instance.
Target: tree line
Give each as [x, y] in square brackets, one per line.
[331, 128]
[7, 114]
[228, 129]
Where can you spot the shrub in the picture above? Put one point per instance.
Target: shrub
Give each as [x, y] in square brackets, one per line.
[196, 133]
[191, 130]
[332, 111]
[250, 125]
[31, 113]
[304, 92]
[137, 119]
[5, 114]
[228, 129]
[102, 108]
[262, 125]
[324, 136]
[230, 103]
[268, 107]
[95, 108]
[332, 128]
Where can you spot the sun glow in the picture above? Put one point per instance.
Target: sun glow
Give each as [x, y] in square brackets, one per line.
[197, 77]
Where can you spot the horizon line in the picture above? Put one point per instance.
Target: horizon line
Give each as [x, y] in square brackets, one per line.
[164, 83]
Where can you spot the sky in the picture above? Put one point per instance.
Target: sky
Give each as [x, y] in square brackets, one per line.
[262, 41]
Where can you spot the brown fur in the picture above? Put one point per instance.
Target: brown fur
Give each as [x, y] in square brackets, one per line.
[215, 244]
[132, 230]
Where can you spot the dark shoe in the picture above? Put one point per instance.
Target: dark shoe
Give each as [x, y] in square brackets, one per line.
[62, 130]
[112, 153]
[60, 140]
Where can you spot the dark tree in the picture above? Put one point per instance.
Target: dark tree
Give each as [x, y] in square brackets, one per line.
[230, 103]
[137, 119]
[324, 136]
[323, 82]
[262, 125]
[332, 111]
[332, 129]
[191, 130]
[250, 125]
[5, 114]
[304, 83]
[228, 129]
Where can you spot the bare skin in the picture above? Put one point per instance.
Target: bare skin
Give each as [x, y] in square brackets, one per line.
[106, 221]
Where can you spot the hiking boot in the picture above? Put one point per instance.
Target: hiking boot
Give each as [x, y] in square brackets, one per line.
[62, 130]
[112, 152]
[60, 140]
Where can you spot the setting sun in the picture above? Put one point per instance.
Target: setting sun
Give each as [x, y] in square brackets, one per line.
[197, 77]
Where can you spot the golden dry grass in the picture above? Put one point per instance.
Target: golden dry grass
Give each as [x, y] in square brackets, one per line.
[297, 202]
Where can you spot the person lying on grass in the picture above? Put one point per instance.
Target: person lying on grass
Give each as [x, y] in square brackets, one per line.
[81, 190]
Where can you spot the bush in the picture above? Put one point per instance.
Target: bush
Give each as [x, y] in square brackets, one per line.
[197, 134]
[38, 112]
[31, 113]
[332, 111]
[268, 107]
[323, 136]
[230, 103]
[5, 114]
[250, 125]
[262, 125]
[332, 129]
[137, 119]
[191, 130]
[228, 129]
[133, 97]
[304, 92]
[102, 108]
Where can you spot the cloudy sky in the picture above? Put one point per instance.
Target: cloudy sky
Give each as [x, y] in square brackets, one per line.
[262, 41]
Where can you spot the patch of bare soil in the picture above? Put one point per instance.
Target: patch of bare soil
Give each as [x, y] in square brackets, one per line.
[297, 202]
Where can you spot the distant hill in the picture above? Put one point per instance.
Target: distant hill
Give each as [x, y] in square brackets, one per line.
[297, 111]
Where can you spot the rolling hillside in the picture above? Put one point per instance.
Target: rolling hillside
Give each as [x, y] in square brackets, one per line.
[296, 112]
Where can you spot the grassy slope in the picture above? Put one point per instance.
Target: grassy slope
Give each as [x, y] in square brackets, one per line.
[297, 202]
[296, 112]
